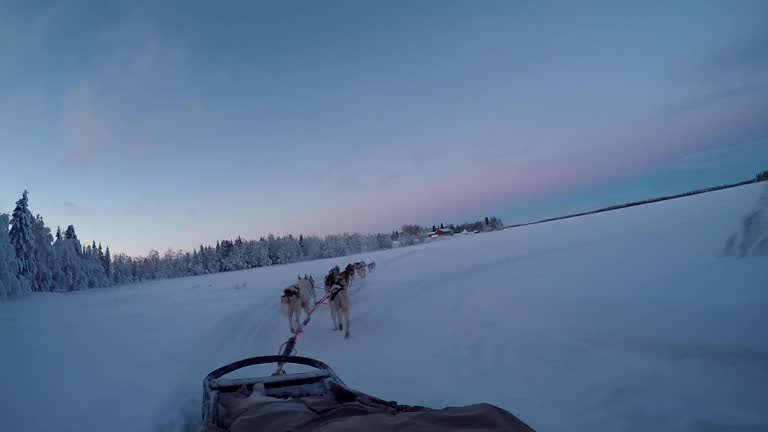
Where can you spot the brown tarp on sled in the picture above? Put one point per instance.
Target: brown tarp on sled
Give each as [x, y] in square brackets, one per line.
[323, 415]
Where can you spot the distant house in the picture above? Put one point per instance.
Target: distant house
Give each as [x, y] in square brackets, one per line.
[441, 232]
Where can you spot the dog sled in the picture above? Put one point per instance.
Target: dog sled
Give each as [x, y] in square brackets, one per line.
[318, 400]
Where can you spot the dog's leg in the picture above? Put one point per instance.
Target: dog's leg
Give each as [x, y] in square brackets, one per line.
[344, 310]
[306, 312]
[332, 307]
[337, 309]
[298, 318]
[346, 321]
[296, 314]
[290, 319]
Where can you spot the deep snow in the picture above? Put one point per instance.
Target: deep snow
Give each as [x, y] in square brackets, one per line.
[627, 320]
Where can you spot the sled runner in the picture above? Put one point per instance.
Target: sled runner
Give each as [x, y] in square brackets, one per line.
[318, 400]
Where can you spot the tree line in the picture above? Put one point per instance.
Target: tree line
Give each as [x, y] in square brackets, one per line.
[32, 259]
[411, 234]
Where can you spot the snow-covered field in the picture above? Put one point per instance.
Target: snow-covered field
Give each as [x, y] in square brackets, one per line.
[622, 321]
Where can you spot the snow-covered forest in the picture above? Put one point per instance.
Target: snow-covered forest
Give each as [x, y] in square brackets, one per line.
[33, 259]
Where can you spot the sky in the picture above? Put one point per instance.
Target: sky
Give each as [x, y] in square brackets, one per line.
[161, 124]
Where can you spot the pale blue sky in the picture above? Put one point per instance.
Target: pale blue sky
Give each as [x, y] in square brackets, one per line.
[170, 124]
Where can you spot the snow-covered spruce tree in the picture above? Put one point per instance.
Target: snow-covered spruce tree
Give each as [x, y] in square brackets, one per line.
[107, 263]
[100, 251]
[68, 270]
[76, 267]
[198, 263]
[70, 234]
[311, 247]
[227, 256]
[353, 243]
[261, 253]
[273, 245]
[214, 259]
[23, 240]
[188, 264]
[94, 267]
[151, 265]
[201, 266]
[238, 254]
[289, 250]
[383, 241]
[44, 254]
[123, 270]
[9, 283]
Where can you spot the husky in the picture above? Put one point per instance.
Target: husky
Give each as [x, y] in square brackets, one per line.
[336, 284]
[371, 266]
[350, 270]
[360, 269]
[300, 295]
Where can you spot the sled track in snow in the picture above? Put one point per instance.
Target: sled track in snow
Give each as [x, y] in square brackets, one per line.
[246, 333]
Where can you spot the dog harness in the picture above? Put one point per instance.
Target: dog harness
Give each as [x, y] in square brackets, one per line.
[335, 291]
[288, 292]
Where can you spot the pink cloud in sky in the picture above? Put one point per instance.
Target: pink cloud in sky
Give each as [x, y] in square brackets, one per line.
[565, 163]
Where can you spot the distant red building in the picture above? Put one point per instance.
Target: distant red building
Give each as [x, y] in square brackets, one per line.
[441, 232]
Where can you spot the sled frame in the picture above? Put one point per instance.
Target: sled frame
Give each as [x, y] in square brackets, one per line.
[322, 381]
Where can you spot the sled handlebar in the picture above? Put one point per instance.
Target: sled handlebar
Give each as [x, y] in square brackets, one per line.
[214, 380]
[220, 372]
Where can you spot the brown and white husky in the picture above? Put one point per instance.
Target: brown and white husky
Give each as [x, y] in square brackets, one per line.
[296, 297]
[336, 287]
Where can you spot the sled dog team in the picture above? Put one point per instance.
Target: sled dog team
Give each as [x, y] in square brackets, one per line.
[301, 295]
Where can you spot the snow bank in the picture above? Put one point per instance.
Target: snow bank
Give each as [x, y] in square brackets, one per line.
[627, 320]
